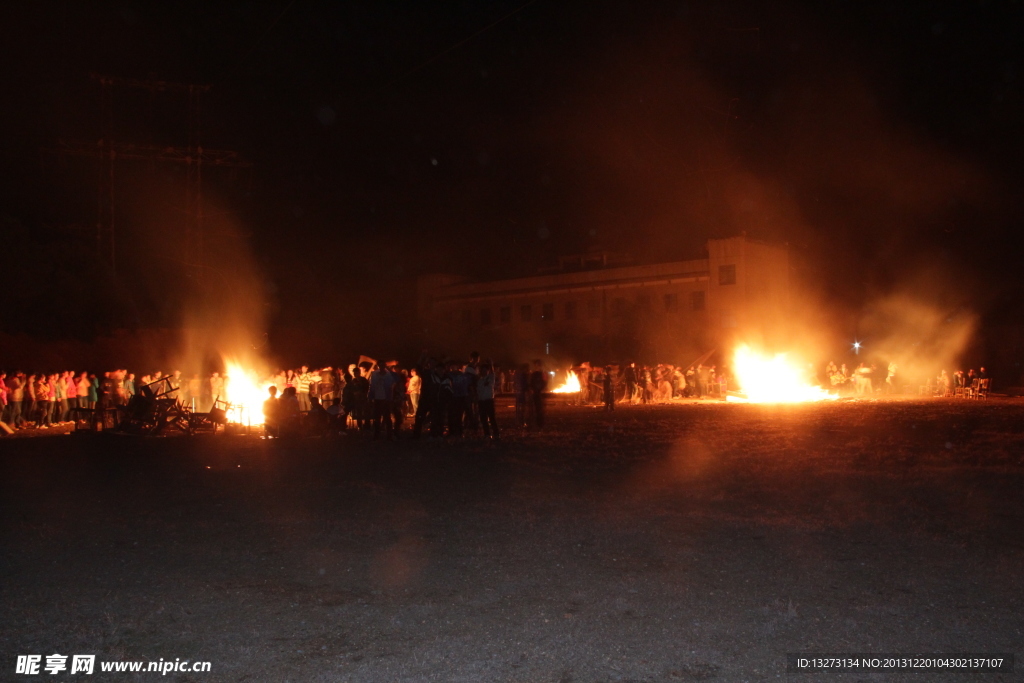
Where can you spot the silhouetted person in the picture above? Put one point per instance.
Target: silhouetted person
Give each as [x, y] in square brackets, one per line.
[538, 384]
[271, 414]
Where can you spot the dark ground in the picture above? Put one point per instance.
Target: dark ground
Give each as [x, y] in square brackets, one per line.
[674, 543]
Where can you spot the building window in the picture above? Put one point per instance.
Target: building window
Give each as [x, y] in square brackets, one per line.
[727, 275]
[594, 308]
[505, 314]
[547, 312]
[485, 316]
[697, 302]
[671, 302]
[467, 316]
[570, 310]
[526, 313]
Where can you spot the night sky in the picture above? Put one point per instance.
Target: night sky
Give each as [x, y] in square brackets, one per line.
[389, 139]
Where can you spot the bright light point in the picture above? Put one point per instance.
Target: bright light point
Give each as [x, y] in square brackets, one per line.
[773, 380]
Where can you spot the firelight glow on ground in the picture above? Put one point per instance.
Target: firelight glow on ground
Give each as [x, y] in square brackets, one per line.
[775, 379]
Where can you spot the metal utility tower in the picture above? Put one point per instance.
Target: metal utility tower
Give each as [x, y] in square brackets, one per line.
[194, 156]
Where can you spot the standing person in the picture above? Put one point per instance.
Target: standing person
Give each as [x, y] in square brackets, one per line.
[485, 388]
[288, 412]
[382, 393]
[82, 386]
[426, 402]
[302, 383]
[538, 384]
[443, 405]
[94, 391]
[360, 393]
[325, 387]
[129, 386]
[270, 414]
[42, 402]
[472, 408]
[3, 396]
[631, 382]
[30, 406]
[460, 379]
[415, 387]
[398, 397]
[522, 388]
[702, 381]
[609, 389]
[61, 403]
[16, 387]
[890, 378]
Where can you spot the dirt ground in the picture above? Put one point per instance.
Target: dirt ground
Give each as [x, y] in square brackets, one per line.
[674, 543]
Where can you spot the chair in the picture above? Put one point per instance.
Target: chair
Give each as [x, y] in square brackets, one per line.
[972, 390]
[982, 390]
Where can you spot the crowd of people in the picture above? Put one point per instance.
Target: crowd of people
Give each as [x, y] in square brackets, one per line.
[969, 384]
[441, 397]
[643, 384]
[866, 380]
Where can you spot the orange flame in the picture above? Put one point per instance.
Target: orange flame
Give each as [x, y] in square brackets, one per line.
[245, 392]
[571, 386]
[773, 380]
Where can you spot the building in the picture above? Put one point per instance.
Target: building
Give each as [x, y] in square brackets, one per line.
[593, 309]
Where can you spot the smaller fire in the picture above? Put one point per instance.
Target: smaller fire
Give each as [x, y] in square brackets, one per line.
[571, 386]
[773, 380]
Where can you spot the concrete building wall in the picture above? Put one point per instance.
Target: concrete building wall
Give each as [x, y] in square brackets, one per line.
[655, 312]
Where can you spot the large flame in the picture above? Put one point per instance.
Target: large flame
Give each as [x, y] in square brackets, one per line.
[773, 380]
[245, 392]
[571, 386]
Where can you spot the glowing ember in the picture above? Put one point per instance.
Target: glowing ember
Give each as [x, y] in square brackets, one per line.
[571, 386]
[246, 394]
[773, 380]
